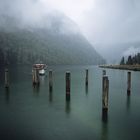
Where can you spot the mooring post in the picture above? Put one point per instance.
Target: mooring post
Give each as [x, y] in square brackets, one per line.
[36, 80]
[68, 86]
[50, 81]
[105, 93]
[86, 77]
[6, 78]
[128, 83]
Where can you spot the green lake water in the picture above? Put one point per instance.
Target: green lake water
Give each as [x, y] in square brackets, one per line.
[32, 113]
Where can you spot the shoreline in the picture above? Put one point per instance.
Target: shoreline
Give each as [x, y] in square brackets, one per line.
[122, 67]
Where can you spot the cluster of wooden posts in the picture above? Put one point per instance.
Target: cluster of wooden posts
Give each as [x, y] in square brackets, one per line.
[105, 90]
[105, 84]
[36, 82]
[105, 93]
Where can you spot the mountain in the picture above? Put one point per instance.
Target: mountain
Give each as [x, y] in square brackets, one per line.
[52, 40]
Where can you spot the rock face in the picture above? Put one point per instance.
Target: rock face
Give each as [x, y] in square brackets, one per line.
[54, 40]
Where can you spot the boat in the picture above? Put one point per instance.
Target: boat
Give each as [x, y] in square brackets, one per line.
[41, 67]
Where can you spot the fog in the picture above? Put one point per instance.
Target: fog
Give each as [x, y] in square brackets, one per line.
[131, 51]
[108, 24]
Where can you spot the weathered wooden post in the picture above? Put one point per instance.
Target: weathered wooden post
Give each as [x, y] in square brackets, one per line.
[6, 78]
[105, 93]
[36, 80]
[128, 83]
[50, 81]
[86, 78]
[68, 86]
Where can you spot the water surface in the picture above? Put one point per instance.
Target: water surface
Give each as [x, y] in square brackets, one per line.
[28, 112]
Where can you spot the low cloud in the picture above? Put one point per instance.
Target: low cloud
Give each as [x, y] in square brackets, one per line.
[131, 51]
[103, 22]
[36, 14]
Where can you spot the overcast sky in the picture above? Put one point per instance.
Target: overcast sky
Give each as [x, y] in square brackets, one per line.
[101, 21]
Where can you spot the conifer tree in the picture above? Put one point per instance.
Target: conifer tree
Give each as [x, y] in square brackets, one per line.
[122, 61]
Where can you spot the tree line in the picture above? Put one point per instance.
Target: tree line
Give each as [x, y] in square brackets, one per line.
[131, 60]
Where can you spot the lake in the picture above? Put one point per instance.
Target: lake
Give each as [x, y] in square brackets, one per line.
[33, 113]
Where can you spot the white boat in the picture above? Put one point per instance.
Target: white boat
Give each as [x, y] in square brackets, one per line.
[41, 68]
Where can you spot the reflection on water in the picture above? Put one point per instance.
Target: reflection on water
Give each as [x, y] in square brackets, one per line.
[104, 116]
[67, 107]
[36, 89]
[104, 135]
[50, 88]
[50, 96]
[42, 79]
[7, 94]
[128, 103]
[86, 89]
[69, 119]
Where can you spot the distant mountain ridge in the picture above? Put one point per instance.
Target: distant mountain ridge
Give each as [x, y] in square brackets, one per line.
[58, 42]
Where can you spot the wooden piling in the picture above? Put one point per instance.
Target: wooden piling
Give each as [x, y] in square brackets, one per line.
[86, 77]
[68, 86]
[50, 81]
[36, 80]
[128, 83]
[105, 93]
[6, 78]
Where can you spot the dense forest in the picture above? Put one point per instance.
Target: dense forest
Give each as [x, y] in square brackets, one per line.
[30, 45]
[131, 60]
